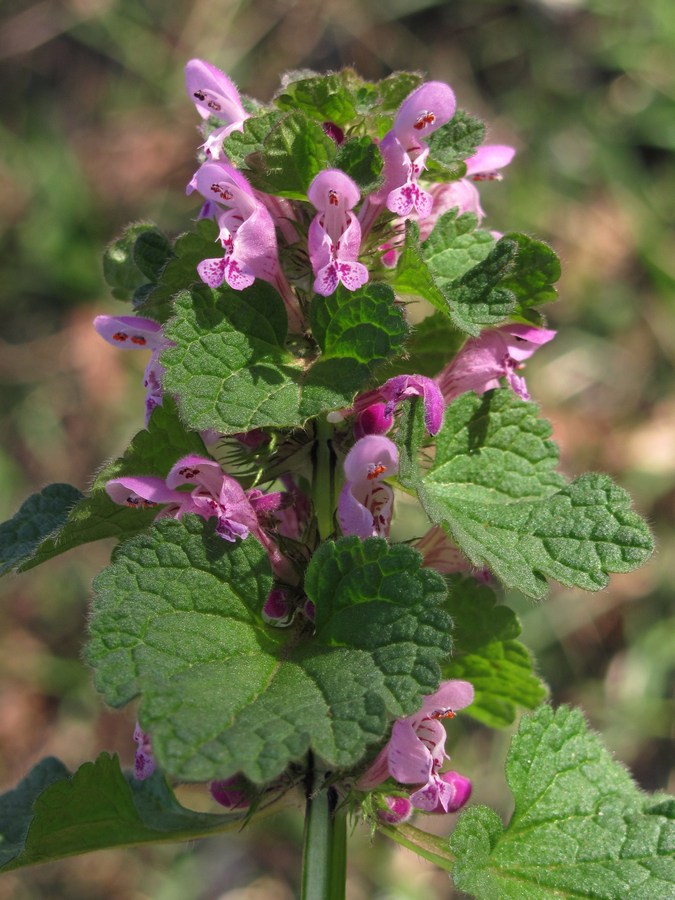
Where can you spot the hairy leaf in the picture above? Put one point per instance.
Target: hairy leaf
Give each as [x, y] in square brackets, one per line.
[53, 814]
[492, 489]
[322, 97]
[457, 140]
[177, 620]
[361, 159]
[455, 246]
[580, 828]
[488, 655]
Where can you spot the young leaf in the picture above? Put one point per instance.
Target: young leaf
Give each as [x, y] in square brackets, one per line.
[96, 516]
[53, 814]
[581, 828]
[180, 271]
[239, 145]
[323, 97]
[487, 654]
[293, 152]
[492, 489]
[413, 276]
[455, 246]
[40, 515]
[233, 694]
[361, 159]
[536, 269]
[123, 270]
[478, 297]
[457, 140]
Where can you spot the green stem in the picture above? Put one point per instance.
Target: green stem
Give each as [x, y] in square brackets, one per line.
[323, 482]
[423, 844]
[325, 843]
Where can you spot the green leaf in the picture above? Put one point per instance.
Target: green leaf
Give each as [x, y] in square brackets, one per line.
[492, 489]
[356, 331]
[455, 246]
[40, 515]
[233, 694]
[240, 144]
[151, 252]
[580, 828]
[432, 342]
[536, 269]
[180, 271]
[472, 300]
[413, 276]
[393, 89]
[293, 152]
[53, 814]
[478, 297]
[457, 140]
[360, 158]
[122, 269]
[96, 516]
[487, 654]
[231, 371]
[323, 97]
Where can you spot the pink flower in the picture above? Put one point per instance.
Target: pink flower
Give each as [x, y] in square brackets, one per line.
[246, 229]
[335, 234]
[365, 503]
[497, 353]
[423, 111]
[416, 751]
[136, 333]
[378, 419]
[144, 761]
[214, 494]
[396, 810]
[214, 94]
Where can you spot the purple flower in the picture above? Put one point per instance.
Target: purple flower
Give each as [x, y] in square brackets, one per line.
[232, 793]
[416, 751]
[393, 392]
[135, 333]
[335, 234]
[214, 494]
[246, 229]
[214, 94]
[365, 503]
[277, 609]
[144, 761]
[423, 111]
[497, 353]
[396, 810]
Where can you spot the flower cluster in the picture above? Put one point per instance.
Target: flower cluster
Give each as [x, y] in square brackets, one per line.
[336, 238]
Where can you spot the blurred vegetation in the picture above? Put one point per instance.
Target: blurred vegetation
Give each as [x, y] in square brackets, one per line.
[96, 131]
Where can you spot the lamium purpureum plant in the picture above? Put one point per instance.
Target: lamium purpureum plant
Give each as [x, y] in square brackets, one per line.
[338, 329]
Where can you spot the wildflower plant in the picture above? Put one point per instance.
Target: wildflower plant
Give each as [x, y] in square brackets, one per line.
[337, 330]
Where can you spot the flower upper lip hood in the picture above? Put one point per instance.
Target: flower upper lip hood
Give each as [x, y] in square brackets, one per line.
[214, 94]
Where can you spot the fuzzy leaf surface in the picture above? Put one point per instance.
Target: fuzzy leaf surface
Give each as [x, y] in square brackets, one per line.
[177, 620]
[293, 152]
[231, 371]
[455, 246]
[323, 97]
[40, 515]
[488, 655]
[431, 343]
[536, 270]
[360, 158]
[53, 814]
[457, 140]
[96, 516]
[581, 828]
[492, 487]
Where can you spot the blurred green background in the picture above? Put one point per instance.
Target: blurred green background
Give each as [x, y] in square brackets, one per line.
[96, 131]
